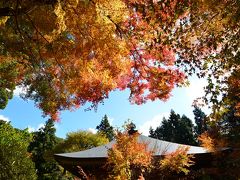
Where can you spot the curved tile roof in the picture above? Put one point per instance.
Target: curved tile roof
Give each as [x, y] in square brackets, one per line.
[160, 148]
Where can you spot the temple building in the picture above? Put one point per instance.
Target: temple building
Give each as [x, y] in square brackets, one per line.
[91, 162]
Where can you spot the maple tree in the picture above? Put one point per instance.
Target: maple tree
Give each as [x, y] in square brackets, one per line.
[209, 39]
[128, 158]
[178, 161]
[67, 53]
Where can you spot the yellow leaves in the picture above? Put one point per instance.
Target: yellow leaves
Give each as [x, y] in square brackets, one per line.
[216, 18]
[206, 141]
[60, 21]
[3, 20]
[177, 161]
[73, 3]
[111, 11]
[128, 154]
[212, 142]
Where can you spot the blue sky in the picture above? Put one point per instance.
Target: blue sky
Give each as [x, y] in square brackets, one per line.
[23, 114]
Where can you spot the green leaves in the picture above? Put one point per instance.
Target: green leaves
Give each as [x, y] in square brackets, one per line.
[175, 129]
[8, 78]
[80, 140]
[41, 149]
[15, 161]
[3, 98]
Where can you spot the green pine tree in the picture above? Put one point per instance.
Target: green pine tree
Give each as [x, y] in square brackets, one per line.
[105, 128]
[44, 141]
[175, 129]
[200, 121]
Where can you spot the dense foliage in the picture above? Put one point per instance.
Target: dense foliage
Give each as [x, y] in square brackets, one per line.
[15, 161]
[66, 53]
[175, 129]
[48, 50]
[53, 51]
[80, 140]
[128, 159]
[44, 140]
[177, 162]
[105, 128]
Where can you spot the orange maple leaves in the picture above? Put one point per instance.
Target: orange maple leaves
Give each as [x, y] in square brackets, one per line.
[178, 161]
[74, 52]
[128, 155]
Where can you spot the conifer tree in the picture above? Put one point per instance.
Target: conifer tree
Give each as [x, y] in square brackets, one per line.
[105, 128]
[200, 120]
[175, 129]
[44, 141]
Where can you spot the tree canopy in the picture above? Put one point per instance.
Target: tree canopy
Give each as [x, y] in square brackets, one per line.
[80, 140]
[68, 52]
[175, 129]
[43, 142]
[15, 161]
[104, 45]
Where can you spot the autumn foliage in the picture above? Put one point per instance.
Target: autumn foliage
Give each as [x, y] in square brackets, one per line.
[128, 158]
[177, 162]
[67, 53]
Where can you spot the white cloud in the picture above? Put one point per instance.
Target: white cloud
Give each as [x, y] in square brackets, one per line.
[110, 120]
[18, 91]
[196, 88]
[32, 129]
[154, 122]
[4, 118]
[94, 131]
[40, 126]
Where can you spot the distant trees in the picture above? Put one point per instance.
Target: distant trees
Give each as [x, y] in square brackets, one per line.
[80, 140]
[45, 144]
[200, 121]
[175, 129]
[15, 161]
[229, 127]
[105, 128]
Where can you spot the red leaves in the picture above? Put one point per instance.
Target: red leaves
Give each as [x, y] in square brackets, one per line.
[149, 27]
[148, 69]
[93, 48]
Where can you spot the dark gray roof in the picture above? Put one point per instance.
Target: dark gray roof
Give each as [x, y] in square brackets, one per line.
[158, 146]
